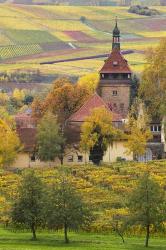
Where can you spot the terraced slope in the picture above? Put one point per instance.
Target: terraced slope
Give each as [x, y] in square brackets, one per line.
[33, 34]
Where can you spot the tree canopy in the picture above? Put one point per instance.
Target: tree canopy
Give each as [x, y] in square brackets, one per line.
[153, 86]
[147, 205]
[10, 144]
[97, 132]
[49, 138]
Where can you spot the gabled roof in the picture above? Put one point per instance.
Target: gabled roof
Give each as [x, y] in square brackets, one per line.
[94, 101]
[27, 137]
[116, 63]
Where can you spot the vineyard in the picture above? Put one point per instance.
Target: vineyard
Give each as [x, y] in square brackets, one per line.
[106, 188]
[30, 35]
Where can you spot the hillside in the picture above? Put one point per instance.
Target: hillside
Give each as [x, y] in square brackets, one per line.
[72, 32]
[105, 188]
[87, 2]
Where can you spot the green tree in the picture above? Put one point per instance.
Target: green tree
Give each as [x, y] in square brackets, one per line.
[66, 209]
[146, 205]
[27, 210]
[49, 138]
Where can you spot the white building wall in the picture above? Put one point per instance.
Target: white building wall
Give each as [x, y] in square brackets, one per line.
[74, 157]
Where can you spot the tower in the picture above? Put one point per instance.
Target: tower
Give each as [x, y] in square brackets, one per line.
[116, 37]
[115, 78]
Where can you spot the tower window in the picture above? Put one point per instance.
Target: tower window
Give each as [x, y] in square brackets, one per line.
[114, 92]
[115, 63]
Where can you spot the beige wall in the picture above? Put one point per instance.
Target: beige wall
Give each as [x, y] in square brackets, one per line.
[117, 150]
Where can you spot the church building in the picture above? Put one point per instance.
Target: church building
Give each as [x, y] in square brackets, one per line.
[113, 93]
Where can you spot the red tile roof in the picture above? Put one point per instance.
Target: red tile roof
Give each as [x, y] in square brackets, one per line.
[24, 120]
[94, 101]
[116, 63]
[27, 137]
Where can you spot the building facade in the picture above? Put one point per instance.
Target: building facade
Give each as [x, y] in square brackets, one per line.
[113, 93]
[115, 78]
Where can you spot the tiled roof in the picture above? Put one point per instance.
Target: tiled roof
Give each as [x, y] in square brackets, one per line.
[27, 137]
[116, 63]
[24, 120]
[94, 101]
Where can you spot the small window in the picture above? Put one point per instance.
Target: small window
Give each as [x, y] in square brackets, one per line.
[114, 105]
[70, 158]
[129, 76]
[122, 106]
[114, 92]
[80, 158]
[33, 158]
[151, 128]
[159, 128]
[155, 128]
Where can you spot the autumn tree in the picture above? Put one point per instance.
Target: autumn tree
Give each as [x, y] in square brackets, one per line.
[137, 130]
[49, 138]
[153, 85]
[27, 210]
[65, 208]
[9, 146]
[146, 205]
[65, 98]
[97, 133]
[89, 81]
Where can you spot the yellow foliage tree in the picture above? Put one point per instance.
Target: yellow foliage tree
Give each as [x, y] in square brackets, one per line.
[97, 133]
[3, 98]
[9, 146]
[90, 81]
[153, 87]
[138, 131]
[18, 94]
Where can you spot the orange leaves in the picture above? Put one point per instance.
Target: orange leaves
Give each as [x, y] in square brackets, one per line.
[63, 100]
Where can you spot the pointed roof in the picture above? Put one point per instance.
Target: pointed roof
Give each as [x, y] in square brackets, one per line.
[116, 31]
[116, 63]
[94, 101]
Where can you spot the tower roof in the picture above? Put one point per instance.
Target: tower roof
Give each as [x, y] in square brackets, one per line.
[94, 101]
[116, 63]
[116, 31]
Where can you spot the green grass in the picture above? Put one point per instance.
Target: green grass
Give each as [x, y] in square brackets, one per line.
[78, 241]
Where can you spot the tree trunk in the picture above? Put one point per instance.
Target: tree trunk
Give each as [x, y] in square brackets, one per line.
[122, 237]
[61, 159]
[147, 235]
[33, 232]
[65, 233]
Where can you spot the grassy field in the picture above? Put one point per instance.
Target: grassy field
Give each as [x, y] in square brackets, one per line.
[78, 241]
[33, 34]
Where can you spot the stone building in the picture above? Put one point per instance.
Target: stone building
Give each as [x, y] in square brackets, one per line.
[115, 78]
[113, 93]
